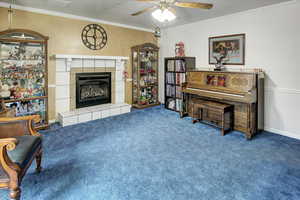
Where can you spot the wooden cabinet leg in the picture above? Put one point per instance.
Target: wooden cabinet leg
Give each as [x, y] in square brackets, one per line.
[222, 132]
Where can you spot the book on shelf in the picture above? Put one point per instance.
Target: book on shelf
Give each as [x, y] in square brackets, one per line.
[178, 92]
[180, 78]
[179, 104]
[170, 78]
[180, 66]
[170, 91]
[170, 65]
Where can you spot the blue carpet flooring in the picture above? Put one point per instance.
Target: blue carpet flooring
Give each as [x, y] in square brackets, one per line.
[152, 154]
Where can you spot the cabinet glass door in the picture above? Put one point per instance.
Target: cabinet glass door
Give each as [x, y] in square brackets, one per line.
[22, 68]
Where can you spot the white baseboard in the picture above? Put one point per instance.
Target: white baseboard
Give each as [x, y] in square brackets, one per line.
[52, 121]
[284, 133]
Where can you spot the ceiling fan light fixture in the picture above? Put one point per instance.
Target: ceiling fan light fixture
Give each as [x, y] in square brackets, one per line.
[163, 15]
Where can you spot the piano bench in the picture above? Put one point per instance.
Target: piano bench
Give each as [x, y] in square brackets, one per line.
[219, 114]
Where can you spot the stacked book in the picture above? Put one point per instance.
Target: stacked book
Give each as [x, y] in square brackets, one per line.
[171, 64]
[179, 104]
[170, 91]
[180, 78]
[178, 92]
[170, 78]
[180, 66]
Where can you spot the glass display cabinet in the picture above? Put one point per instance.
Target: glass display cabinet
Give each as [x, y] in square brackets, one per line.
[145, 75]
[23, 73]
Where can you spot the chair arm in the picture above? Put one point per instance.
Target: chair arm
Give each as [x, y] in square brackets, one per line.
[8, 166]
[9, 143]
[31, 120]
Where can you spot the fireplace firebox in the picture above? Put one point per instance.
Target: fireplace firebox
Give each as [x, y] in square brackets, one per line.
[93, 89]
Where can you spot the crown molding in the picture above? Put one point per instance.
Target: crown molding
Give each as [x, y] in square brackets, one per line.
[71, 16]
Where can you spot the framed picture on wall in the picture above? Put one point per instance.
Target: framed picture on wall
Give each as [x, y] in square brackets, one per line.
[230, 48]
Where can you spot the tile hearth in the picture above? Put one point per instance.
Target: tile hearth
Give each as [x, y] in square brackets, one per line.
[66, 68]
[92, 113]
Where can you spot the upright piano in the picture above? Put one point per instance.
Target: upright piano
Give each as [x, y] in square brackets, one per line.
[243, 90]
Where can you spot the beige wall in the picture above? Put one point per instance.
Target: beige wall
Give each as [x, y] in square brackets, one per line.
[65, 38]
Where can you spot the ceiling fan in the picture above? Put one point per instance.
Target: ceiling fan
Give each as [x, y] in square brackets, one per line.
[164, 10]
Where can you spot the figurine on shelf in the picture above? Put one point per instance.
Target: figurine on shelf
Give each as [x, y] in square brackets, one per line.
[4, 91]
[18, 93]
[22, 109]
[30, 108]
[125, 75]
[179, 49]
[143, 81]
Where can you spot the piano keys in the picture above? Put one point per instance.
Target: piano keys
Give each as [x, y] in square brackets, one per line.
[243, 90]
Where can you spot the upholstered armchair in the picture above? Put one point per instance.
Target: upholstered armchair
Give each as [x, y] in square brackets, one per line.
[20, 144]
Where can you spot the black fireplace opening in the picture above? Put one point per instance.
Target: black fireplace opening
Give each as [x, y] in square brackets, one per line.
[93, 89]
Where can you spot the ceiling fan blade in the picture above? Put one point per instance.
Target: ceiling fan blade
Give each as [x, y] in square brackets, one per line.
[153, 1]
[193, 5]
[144, 10]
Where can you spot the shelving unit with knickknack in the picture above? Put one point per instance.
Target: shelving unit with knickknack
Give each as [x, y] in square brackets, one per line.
[145, 75]
[23, 73]
[175, 75]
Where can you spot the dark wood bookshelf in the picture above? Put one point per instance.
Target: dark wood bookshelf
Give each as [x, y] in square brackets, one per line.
[181, 65]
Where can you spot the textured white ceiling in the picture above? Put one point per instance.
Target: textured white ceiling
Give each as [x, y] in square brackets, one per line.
[118, 11]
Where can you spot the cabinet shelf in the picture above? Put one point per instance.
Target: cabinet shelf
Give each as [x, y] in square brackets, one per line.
[173, 84]
[25, 99]
[22, 60]
[148, 86]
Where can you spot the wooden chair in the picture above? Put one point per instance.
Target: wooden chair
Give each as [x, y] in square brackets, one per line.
[20, 144]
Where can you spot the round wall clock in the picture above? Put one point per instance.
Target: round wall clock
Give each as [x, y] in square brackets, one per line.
[94, 36]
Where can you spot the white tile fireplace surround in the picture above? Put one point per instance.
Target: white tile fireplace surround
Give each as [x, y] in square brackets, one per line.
[66, 68]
